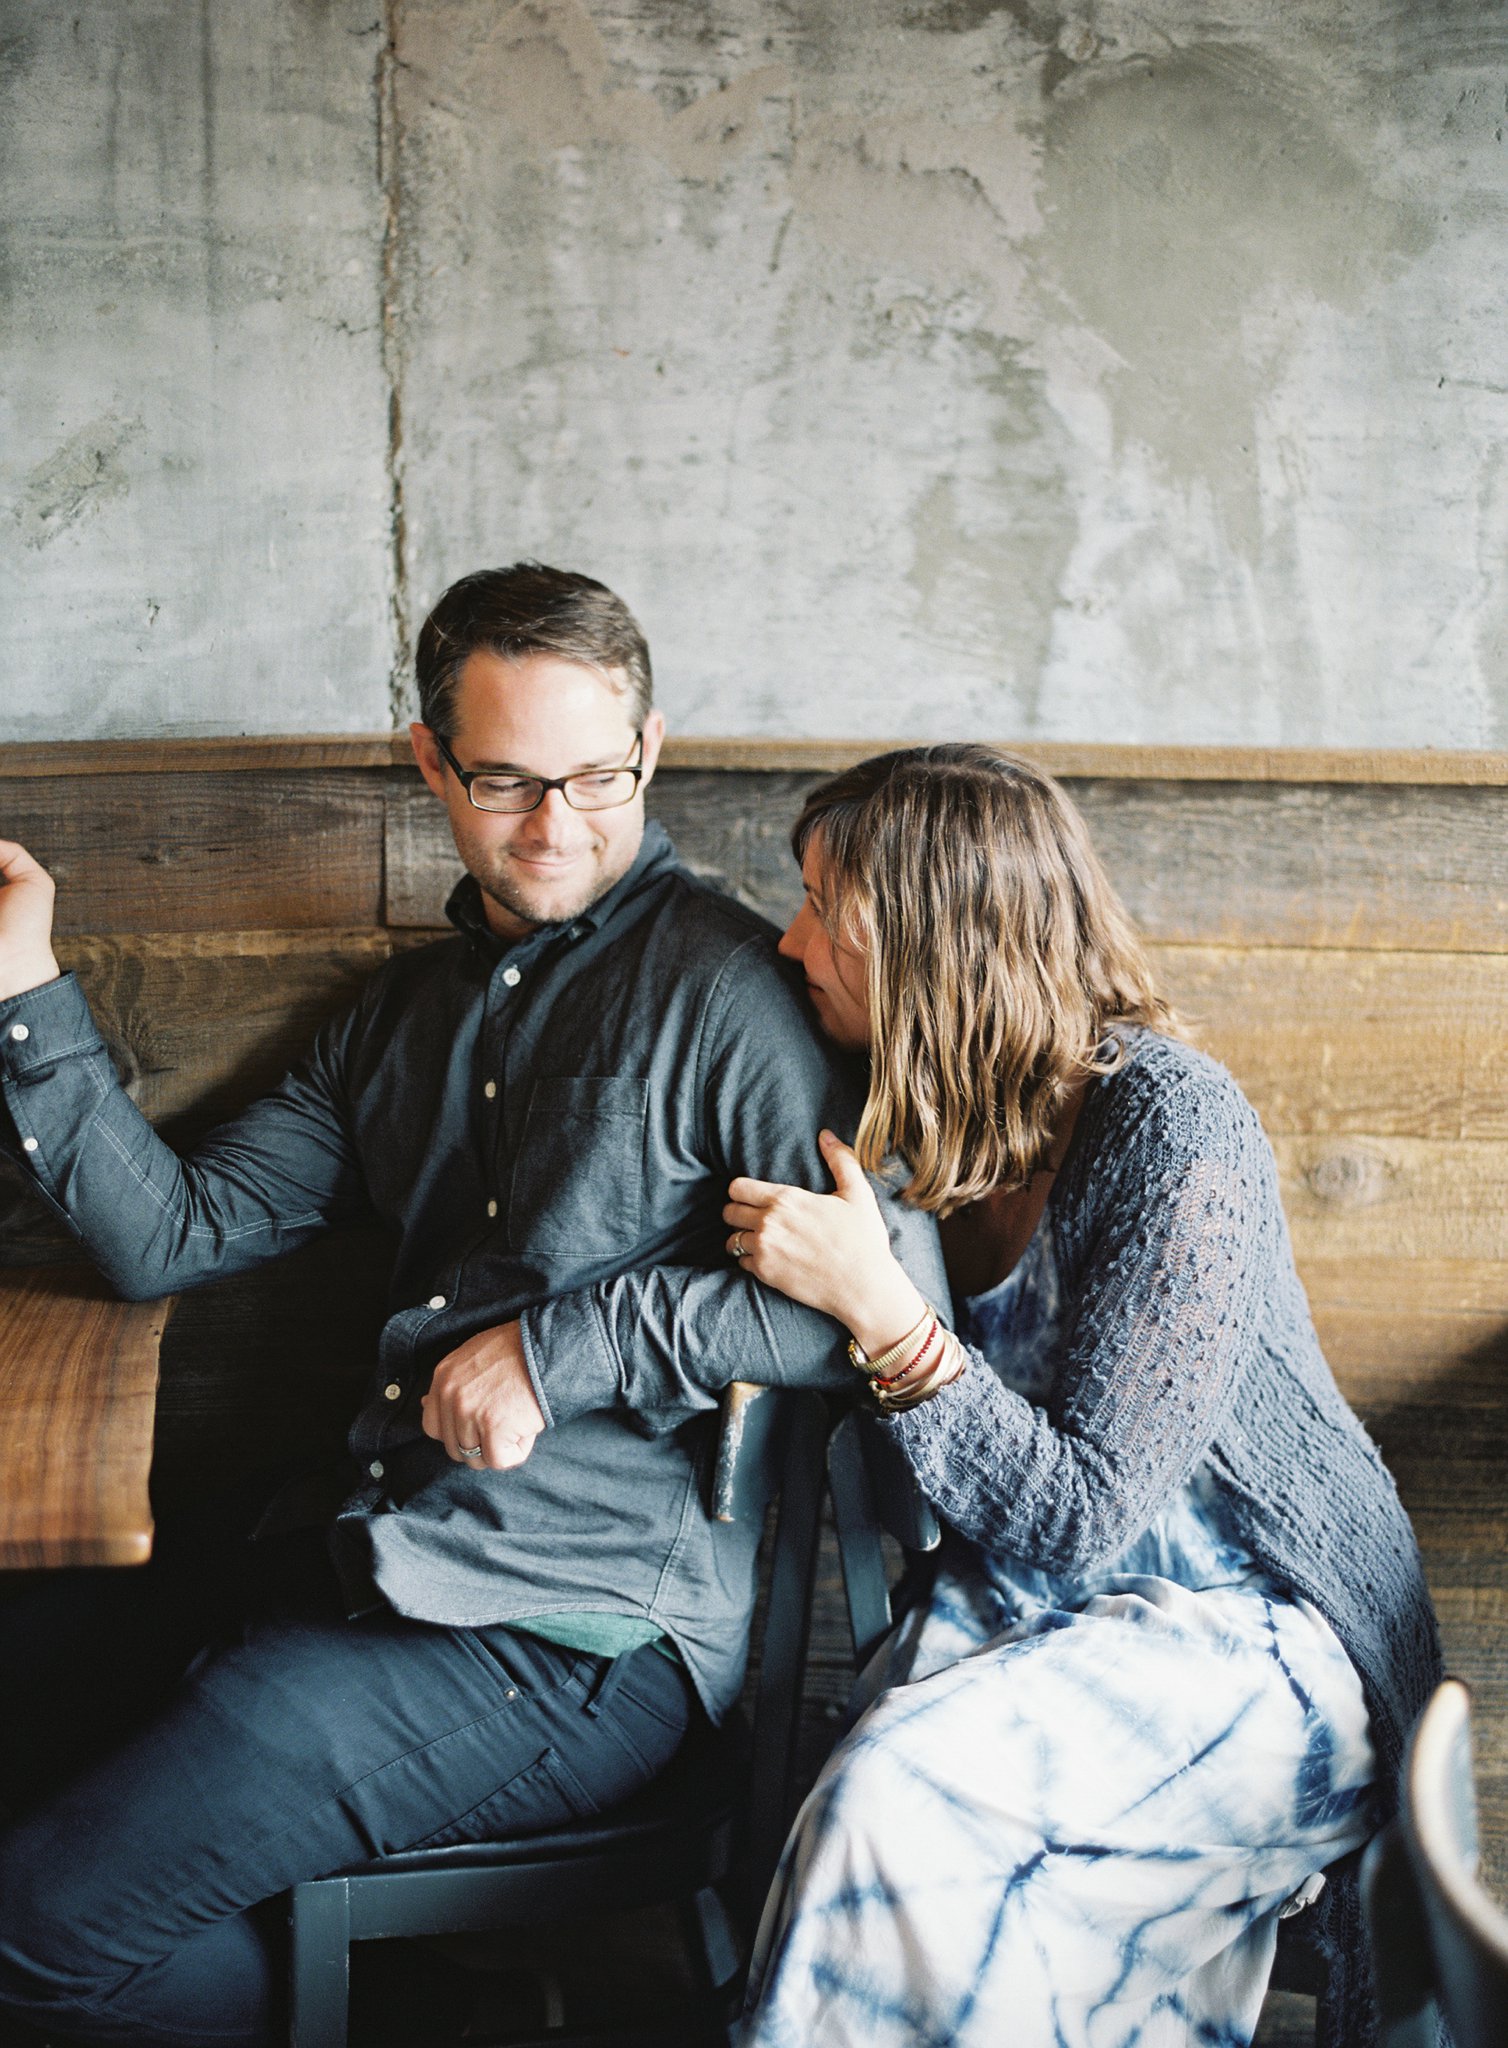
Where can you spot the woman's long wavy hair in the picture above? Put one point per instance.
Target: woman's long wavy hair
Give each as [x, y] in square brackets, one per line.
[999, 960]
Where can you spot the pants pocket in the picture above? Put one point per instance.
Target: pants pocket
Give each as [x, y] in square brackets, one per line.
[542, 1795]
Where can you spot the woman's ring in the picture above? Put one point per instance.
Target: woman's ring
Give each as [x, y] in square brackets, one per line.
[737, 1246]
[471, 1451]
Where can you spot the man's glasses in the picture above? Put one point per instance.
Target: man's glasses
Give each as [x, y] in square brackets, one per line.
[590, 789]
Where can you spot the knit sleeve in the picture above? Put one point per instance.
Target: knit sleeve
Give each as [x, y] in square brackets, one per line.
[1162, 1295]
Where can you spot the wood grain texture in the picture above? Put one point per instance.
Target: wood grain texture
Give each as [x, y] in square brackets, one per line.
[210, 852]
[1427, 1335]
[735, 830]
[761, 755]
[1399, 1198]
[420, 862]
[199, 1023]
[255, 753]
[1378, 867]
[1384, 1044]
[78, 1372]
[1073, 759]
[1389, 1355]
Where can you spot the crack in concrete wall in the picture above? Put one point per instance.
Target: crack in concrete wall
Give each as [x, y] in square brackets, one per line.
[390, 183]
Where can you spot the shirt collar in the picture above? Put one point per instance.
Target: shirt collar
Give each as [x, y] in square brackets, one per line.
[465, 909]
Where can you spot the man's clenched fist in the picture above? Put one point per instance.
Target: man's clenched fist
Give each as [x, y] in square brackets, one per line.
[26, 956]
[481, 1403]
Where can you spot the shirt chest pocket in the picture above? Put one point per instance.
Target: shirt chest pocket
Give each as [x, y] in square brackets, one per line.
[578, 1180]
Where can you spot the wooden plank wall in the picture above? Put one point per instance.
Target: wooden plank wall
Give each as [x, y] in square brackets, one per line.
[1336, 927]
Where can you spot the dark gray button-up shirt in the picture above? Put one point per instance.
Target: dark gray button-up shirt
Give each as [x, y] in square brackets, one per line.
[550, 1128]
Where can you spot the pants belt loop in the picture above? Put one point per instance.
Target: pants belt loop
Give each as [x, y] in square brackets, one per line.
[606, 1683]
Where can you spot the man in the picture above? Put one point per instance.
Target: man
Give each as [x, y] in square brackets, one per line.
[515, 1598]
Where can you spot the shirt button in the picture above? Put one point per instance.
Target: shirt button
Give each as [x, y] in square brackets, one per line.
[28, 1144]
[512, 976]
[492, 1208]
[375, 1468]
[20, 1031]
[393, 1392]
[437, 1301]
[490, 1090]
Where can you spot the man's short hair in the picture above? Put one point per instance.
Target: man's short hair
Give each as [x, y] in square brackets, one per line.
[522, 610]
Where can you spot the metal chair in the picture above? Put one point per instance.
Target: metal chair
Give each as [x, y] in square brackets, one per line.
[707, 1832]
[1439, 1941]
[874, 1495]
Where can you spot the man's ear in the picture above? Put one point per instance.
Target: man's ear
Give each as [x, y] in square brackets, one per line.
[654, 735]
[429, 758]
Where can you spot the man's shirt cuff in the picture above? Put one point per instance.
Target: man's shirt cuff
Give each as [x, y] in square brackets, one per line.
[564, 1345]
[43, 1026]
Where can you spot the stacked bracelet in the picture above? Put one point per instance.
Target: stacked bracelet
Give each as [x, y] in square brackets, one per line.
[903, 1348]
[943, 1361]
[914, 1368]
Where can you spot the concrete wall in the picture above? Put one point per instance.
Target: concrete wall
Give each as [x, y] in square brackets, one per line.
[913, 366]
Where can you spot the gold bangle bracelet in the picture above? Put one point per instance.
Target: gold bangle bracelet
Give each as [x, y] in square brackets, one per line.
[893, 1354]
[952, 1365]
[920, 1362]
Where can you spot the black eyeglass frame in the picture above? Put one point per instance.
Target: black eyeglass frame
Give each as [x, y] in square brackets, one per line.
[545, 783]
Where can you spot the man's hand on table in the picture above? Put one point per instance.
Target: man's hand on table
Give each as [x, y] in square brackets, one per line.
[481, 1398]
[26, 892]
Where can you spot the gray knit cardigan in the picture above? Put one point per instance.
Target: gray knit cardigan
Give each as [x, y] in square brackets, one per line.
[1187, 1337]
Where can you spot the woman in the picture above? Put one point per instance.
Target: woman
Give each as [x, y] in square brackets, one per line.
[1178, 1630]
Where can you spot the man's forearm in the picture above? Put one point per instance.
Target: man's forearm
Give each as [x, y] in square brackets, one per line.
[665, 1341]
[155, 1223]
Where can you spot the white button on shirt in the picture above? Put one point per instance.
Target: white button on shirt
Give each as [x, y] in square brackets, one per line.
[392, 1392]
[375, 1468]
[492, 1208]
[512, 976]
[437, 1301]
[20, 1031]
[490, 1090]
[28, 1144]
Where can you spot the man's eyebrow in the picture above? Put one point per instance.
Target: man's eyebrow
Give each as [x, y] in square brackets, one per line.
[538, 774]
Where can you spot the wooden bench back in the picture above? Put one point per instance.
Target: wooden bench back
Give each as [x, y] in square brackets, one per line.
[1335, 926]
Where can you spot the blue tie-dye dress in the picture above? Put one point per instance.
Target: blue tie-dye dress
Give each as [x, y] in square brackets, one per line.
[1077, 1808]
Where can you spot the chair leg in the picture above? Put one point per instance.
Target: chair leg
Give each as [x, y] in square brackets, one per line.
[717, 1961]
[319, 1984]
[716, 1956]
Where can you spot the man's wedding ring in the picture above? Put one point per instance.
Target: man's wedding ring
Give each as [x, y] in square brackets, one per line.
[469, 1450]
[737, 1246]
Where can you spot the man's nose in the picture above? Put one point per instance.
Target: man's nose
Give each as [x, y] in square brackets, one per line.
[552, 817]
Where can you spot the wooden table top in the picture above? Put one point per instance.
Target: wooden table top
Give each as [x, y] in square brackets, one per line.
[78, 1384]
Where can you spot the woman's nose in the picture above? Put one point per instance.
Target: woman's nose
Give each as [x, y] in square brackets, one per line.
[793, 939]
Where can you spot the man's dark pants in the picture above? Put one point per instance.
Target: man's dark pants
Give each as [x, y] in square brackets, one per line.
[299, 1742]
